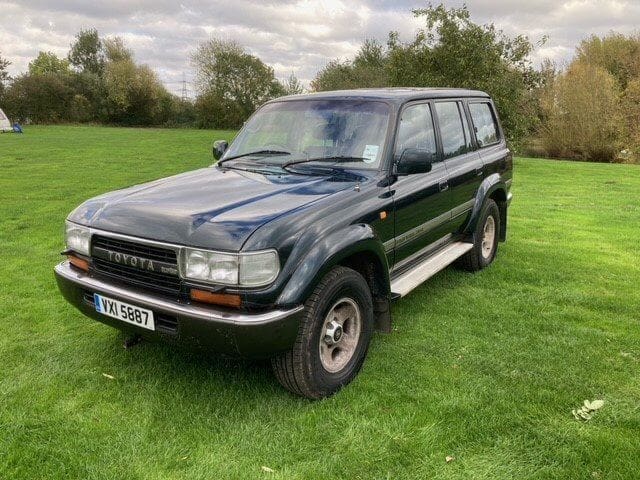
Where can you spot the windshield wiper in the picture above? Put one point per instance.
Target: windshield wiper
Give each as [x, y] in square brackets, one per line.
[257, 152]
[335, 159]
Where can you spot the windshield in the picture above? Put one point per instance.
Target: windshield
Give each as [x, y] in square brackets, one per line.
[315, 130]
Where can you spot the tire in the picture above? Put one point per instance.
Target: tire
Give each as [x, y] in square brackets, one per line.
[316, 367]
[484, 249]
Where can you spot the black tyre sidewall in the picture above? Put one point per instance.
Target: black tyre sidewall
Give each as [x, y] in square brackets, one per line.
[353, 286]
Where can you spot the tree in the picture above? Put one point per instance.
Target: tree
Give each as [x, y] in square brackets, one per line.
[133, 93]
[368, 69]
[451, 51]
[87, 53]
[631, 112]
[293, 86]
[4, 74]
[231, 83]
[582, 115]
[39, 98]
[616, 53]
[115, 50]
[48, 63]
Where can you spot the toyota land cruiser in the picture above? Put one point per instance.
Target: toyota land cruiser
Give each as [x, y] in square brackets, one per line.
[324, 209]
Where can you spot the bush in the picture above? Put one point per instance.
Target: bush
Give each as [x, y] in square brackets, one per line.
[39, 98]
[582, 113]
[631, 113]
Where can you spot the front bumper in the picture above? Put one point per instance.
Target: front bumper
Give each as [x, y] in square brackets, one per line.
[232, 332]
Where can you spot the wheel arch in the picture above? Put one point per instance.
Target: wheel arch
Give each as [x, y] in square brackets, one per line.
[356, 247]
[493, 187]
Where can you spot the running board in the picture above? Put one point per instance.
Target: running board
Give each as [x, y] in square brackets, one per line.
[410, 279]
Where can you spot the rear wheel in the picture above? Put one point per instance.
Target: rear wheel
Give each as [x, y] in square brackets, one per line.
[486, 236]
[333, 337]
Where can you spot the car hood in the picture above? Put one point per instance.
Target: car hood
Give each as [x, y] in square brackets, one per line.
[210, 207]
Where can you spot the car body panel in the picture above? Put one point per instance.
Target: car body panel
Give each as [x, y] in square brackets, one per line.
[315, 217]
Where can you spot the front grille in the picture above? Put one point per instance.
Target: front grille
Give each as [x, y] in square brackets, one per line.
[131, 248]
[151, 280]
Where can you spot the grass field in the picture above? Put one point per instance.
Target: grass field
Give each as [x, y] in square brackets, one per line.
[485, 368]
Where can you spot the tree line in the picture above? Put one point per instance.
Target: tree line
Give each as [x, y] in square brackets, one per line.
[589, 110]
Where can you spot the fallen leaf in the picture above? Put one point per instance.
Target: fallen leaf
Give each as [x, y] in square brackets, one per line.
[110, 377]
[267, 469]
[597, 404]
[184, 458]
[450, 458]
[584, 415]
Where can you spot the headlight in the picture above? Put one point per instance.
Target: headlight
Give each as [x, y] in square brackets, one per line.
[259, 268]
[77, 238]
[245, 269]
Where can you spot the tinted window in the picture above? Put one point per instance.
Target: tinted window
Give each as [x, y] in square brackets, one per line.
[451, 129]
[416, 130]
[316, 129]
[484, 123]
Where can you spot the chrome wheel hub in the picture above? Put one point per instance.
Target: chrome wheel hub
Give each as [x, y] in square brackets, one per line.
[333, 333]
[488, 237]
[340, 334]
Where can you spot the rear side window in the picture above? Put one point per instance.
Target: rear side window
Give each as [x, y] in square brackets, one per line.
[416, 130]
[452, 131]
[484, 122]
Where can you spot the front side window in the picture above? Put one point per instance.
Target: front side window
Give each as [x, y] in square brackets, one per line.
[415, 130]
[484, 123]
[454, 141]
[315, 130]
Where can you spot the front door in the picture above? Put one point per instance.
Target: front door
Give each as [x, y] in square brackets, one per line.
[422, 202]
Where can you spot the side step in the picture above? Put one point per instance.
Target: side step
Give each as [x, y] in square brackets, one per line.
[410, 279]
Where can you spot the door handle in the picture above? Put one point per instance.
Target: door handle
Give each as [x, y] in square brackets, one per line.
[479, 171]
[443, 185]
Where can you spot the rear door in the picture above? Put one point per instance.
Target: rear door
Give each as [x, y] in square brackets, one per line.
[463, 163]
[421, 201]
[492, 147]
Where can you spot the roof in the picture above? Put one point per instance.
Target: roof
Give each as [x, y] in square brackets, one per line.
[400, 94]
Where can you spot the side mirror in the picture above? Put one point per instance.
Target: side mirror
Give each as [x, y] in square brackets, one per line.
[414, 160]
[219, 147]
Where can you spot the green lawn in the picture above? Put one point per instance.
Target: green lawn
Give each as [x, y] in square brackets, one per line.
[483, 367]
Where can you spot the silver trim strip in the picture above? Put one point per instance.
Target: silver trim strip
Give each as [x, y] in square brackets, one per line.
[462, 208]
[415, 232]
[212, 314]
[432, 246]
[145, 241]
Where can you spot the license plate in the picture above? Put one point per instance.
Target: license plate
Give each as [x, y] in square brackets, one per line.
[124, 311]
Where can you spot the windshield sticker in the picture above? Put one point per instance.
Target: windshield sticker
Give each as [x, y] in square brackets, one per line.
[370, 153]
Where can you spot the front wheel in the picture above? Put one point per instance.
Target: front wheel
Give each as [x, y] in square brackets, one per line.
[333, 337]
[486, 236]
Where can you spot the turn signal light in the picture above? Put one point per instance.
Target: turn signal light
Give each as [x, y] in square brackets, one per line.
[78, 262]
[224, 299]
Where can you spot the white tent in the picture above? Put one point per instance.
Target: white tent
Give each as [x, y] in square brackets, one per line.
[5, 124]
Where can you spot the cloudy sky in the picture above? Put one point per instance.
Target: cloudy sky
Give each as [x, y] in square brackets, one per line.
[297, 36]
